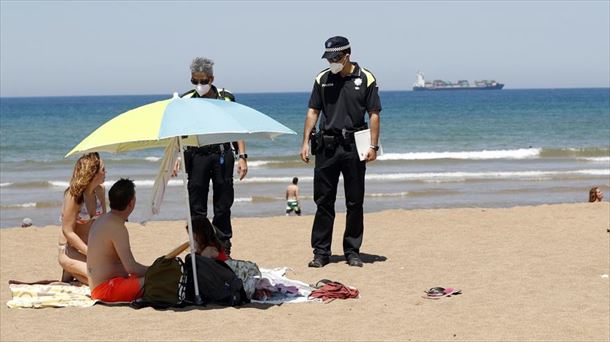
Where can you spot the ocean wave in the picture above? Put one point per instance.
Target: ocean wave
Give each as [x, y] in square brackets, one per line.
[416, 176]
[388, 194]
[459, 176]
[39, 205]
[598, 159]
[152, 159]
[2, 185]
[522, 153]
[575, 152]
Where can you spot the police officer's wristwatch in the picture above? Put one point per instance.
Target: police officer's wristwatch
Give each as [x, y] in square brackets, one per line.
[375, 147]
[243, 156]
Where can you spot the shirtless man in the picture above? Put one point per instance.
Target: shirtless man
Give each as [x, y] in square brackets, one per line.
[114, 275]
[292, 198]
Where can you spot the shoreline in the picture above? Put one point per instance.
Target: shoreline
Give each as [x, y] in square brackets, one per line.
[526, 273]
[339, 209]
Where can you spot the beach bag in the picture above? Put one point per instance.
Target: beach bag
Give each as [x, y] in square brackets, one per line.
[248, 272]
[164, 284]
[218, 284]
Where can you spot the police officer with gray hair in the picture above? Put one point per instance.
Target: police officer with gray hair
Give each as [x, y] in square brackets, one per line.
[213, 162]
[343, 93]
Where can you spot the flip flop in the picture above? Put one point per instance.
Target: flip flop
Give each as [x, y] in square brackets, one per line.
[440, 292]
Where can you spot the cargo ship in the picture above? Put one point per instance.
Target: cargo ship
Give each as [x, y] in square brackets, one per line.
[421, 84]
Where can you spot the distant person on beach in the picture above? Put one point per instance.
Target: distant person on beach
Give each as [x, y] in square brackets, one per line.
[595, 195]
[215, 162]
[342, 93]
[114, 274]
[84, 201]
[206, 241]
[27, 222]
[292, 198]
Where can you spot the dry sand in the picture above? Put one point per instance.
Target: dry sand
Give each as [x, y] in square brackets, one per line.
[527, 273]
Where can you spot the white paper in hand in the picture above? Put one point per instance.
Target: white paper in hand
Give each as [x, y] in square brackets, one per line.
[363, 143]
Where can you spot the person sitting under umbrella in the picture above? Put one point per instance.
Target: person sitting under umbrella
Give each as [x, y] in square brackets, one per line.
[114, 274]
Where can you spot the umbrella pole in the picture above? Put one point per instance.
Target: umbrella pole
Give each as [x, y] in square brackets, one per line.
[198, 300]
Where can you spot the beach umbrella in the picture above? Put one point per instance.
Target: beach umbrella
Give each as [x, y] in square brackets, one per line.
[187, 122]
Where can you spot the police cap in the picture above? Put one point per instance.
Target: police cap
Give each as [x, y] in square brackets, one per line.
[334, 46]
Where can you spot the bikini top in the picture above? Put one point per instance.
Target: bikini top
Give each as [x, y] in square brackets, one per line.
[83, 214]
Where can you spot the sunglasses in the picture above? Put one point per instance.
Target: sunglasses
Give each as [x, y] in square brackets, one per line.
[202, 82]
[336, 59]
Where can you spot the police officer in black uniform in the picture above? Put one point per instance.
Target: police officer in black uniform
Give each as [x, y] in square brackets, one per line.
[342, 93]
[213, 162]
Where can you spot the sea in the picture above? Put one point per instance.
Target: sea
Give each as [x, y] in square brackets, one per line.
[500, 148]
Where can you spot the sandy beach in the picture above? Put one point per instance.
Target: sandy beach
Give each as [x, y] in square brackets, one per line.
[526, 273]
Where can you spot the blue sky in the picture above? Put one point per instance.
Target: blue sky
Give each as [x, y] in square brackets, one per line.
[52, 48]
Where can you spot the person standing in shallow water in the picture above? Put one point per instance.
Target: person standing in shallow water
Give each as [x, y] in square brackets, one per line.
[212, 162]
[292, 198]
[595, 195]
[343, 93]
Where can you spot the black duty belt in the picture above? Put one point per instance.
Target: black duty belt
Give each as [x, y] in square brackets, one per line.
[210, 149]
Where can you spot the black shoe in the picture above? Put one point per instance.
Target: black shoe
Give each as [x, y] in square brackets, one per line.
[354, 261]
[319, 261]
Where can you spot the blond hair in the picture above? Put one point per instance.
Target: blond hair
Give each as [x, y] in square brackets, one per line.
[85, 169]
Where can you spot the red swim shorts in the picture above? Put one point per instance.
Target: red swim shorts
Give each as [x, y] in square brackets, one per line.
[118, 290]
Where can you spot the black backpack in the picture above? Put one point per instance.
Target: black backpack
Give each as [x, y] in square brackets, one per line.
[218, 284]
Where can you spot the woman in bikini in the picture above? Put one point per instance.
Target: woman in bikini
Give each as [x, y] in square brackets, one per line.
[84, 201]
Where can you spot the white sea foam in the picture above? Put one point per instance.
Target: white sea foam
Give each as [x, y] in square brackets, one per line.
[243, 199]
[522, 153]
[62, 184]
[274, 179]
[598, 159]
[439, 176]
[21, 205]
[257, 163]
[389, 194]
[2, 185]
[423, 176]
[152, 159]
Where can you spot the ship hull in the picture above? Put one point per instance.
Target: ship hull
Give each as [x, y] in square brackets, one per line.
[495, 87]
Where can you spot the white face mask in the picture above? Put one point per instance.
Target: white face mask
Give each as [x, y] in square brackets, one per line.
[335, 68]
[203, 89]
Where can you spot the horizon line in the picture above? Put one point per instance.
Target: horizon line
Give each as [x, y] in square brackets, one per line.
[275, 92]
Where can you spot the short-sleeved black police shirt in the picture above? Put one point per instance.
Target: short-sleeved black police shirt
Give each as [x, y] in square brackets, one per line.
[344, 100]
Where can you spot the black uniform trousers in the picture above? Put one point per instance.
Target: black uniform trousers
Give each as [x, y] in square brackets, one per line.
[343, 159]
[201, 168]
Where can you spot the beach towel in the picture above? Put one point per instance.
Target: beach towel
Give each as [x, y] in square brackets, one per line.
[275, 288]
[52, 295]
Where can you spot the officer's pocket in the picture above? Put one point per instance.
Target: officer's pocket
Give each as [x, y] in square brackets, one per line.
[316, 143]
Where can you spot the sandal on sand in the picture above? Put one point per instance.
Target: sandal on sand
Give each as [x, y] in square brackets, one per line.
[439, 292]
